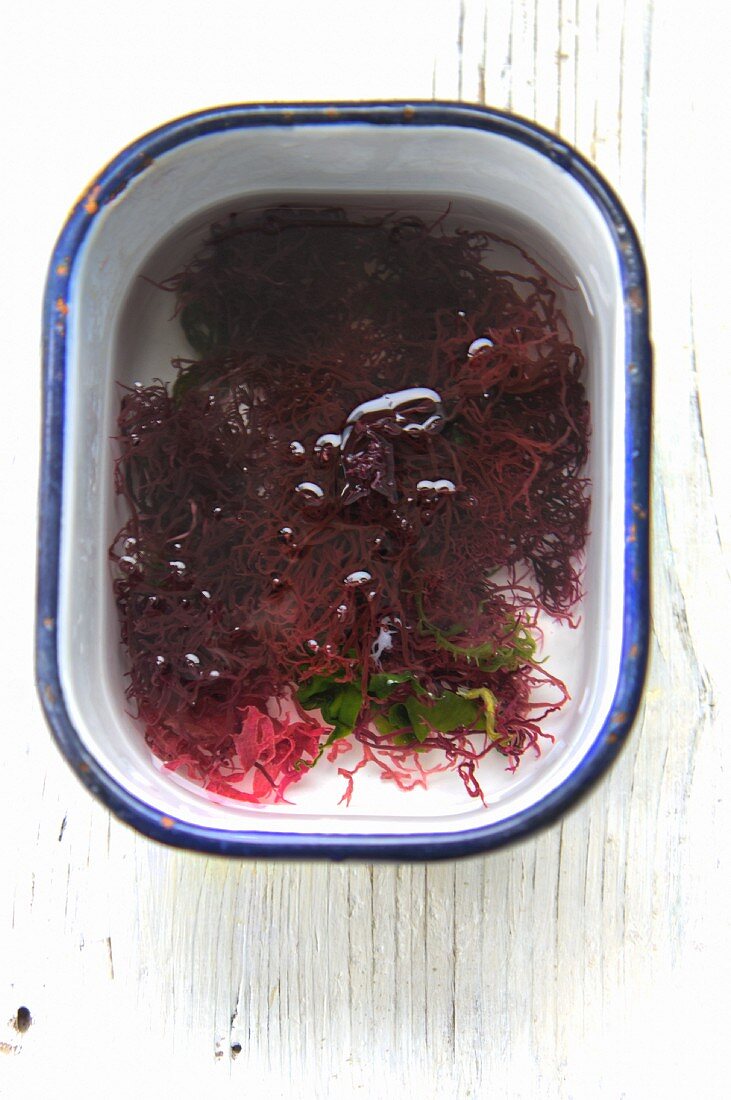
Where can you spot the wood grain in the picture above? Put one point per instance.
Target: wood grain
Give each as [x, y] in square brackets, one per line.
[591, 961]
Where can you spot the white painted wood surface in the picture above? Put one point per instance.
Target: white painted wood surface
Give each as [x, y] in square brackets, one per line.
[592, 961]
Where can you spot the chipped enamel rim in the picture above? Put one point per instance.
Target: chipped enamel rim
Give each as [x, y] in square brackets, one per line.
[638, 358]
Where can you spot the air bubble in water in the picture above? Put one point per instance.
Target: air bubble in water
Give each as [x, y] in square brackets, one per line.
[482, 343]
[357, 577]
[441, 485]
[310, 491]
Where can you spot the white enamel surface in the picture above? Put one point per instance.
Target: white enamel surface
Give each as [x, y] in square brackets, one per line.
[119, 331]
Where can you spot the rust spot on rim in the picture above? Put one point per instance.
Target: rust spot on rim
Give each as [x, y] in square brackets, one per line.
[167, 822]
[61, 307]
[636, 298]
[409, 112]
[62, 269]
[50, 694]
[91, 205]
[332, 112]
[634, 652]
[49, 623]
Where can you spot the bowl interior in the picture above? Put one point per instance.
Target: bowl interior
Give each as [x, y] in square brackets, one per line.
[120, 330]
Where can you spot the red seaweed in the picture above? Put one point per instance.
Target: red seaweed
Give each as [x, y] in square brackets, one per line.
[349, 512]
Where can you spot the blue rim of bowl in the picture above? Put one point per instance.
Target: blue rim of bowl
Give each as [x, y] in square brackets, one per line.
[135, 159]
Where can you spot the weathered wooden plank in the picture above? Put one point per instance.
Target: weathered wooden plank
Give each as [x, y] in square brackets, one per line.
[590, 961]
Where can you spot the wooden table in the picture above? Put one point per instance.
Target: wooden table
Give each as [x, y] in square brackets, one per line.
[592, 961]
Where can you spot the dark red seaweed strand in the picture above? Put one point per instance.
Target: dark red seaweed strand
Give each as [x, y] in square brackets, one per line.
[259, 554]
